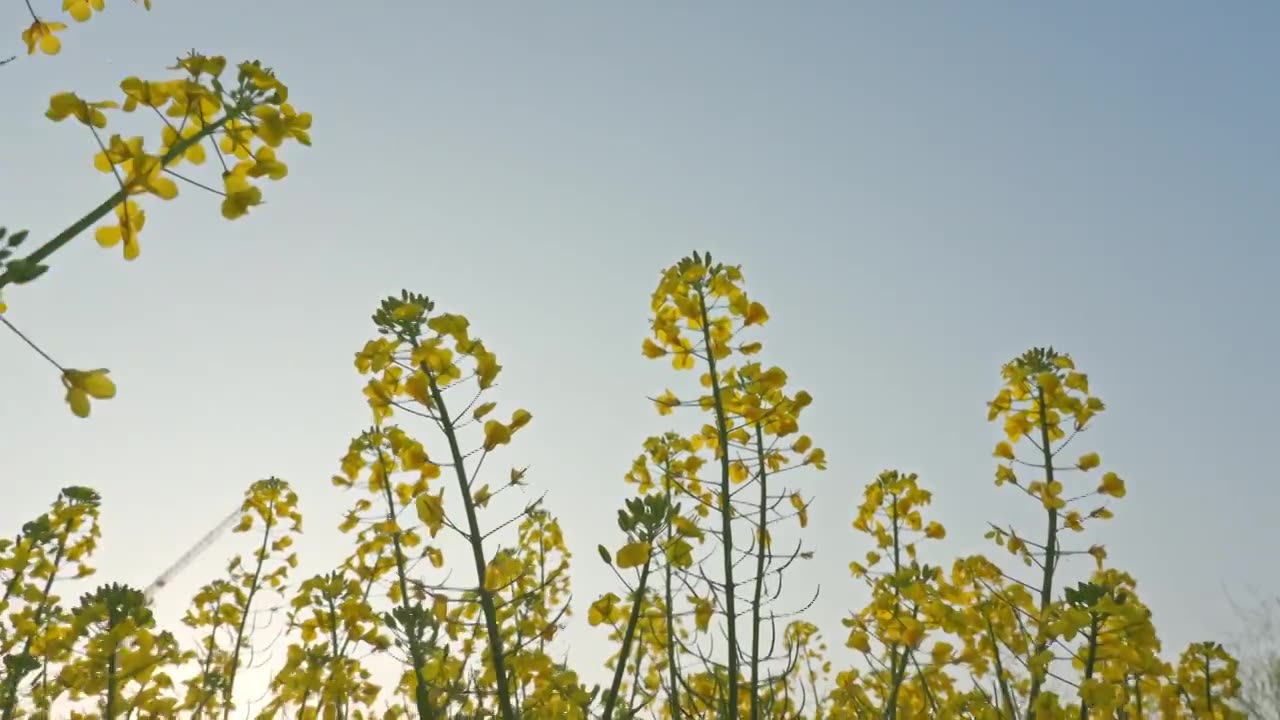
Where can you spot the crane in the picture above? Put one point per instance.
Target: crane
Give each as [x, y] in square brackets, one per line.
[191, 554]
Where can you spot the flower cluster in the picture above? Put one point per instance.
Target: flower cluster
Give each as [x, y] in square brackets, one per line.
[242, 121]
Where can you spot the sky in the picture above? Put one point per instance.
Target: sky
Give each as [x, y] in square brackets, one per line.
[917, 192]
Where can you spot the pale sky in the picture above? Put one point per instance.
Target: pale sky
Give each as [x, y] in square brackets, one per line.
[917, 194]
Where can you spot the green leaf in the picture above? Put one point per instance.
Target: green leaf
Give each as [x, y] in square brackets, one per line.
[24, 271]
[604, 555]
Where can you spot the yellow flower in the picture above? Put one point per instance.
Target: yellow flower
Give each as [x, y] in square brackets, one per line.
[1089, 461]
[131, 218]
[241, 196]
[666, 401]
[264, 163]
[859, 641]
[84, 384]
[756, 315]
[1074, 522]
[935, 530]
[431, 511]
[802, 510]
[652, 349]
[82, 10]
[170, 137]
[941, 653]
[683, 358]
[1051, 495]
[817, 458]
[144, 176]
[198, 65]
[519, 419]
[276, 124]
[148, 93]
[495, 434]
[1112, 485]
[487, 366]
[602, 609]
[1005, 474]
[632, 555]
[1099, 554]
[702, 611]
[66, 104]
[1003, 450]
[680, 554]
[118, 151]
[502, 572]
[452, 325]
[1078, 381]
[42, 33]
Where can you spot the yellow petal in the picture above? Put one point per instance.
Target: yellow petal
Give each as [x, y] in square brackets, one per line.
[50, 44]
[495, 434]
[79, 401]
[97, 384]
[107, 235]
[78, 10]
[632, 555]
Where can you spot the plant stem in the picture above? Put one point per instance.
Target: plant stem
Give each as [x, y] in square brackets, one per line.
[726, 511]
[12, 681]
[762, 550]
[673, 695]
[421, 696]
[476, 540]
[896, 672]
[254, 585]
[628, 637]
[109, 708]
[111, 202]
[1050, 557]
[22, 336]
[1090, 660]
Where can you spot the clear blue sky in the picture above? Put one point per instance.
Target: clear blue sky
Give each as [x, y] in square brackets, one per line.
[917, 193]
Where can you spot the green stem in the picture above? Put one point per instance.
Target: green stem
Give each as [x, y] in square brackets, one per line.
[924, 684]
[673, 695]
[476, 540]
[421, 695]
[1208, 683]
[12, 681]
[897, 666]
[333, 640]
[206, 666]
[1090, 660]
[111, 202]
[628, 637]
[726, 511]
[1000, 674]
[761, 551]
[244, 616]
[109, 708]
[1050, 557]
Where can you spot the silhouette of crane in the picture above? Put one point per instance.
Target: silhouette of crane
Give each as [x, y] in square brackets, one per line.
[191, 554]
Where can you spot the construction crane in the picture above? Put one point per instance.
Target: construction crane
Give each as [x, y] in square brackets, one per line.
[191, 554]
